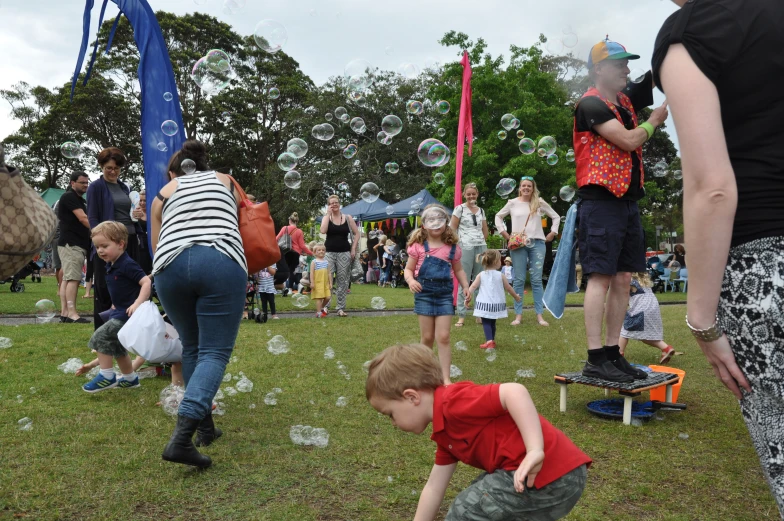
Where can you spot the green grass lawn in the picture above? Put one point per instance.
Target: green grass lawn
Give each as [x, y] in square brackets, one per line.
[98, 456]
[24, 303]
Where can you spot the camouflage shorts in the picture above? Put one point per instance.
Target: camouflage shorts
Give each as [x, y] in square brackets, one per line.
[493, 497]
[105, 340]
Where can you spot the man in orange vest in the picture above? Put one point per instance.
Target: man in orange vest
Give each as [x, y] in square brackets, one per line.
[608, 148]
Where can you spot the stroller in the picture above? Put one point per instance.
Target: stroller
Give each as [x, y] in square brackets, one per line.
[252, 306]
[31, 269]
[398, 276]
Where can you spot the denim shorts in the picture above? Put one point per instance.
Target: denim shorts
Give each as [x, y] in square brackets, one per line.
[493, 497]
[435, 299]
[105, 340]
[610, 237]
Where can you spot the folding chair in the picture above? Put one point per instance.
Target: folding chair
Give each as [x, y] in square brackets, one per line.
[684, 278]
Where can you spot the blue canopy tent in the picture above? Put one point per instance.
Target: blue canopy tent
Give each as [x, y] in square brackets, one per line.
[359, 210]
[402, 208]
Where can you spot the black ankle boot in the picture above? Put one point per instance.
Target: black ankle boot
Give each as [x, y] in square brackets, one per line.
[206, 433]
[180, 448]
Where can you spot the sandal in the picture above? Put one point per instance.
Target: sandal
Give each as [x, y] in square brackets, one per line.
[342, 313]
[542, 322]
[666, 355]
[515, 322]
[459, 324]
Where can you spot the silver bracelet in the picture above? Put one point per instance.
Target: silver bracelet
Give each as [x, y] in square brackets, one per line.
[706, 335]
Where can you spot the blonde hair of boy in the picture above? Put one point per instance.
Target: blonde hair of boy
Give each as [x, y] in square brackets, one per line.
[112, 230]
[490, 257]
[401, 367]
[419, 236]
[643, 279]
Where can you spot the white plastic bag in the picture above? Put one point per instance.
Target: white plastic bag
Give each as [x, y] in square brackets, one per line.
[145, 335]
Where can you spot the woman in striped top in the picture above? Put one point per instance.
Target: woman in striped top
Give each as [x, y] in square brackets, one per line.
[200, 274]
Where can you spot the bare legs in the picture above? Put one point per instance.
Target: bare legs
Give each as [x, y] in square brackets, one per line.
[436, 330]
[615, 289]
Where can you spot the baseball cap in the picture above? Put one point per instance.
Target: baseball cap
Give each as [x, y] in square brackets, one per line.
[607, 50]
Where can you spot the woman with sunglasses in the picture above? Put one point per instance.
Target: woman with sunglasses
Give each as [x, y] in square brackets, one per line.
[526, 211]
[469, 221]
[337, 226]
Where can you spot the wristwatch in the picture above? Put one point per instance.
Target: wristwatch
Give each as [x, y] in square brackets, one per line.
[706, 335]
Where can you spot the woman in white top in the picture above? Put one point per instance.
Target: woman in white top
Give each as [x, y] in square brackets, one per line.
[200, 275]
[526, 211]
[469, 221]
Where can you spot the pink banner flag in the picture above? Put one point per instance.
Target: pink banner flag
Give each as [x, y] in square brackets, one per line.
[465, 128]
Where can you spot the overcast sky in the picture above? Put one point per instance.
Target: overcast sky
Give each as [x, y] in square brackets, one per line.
[41, 38]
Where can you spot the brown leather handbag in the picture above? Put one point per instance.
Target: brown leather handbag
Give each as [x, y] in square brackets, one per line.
[257, 231]
[27, 224]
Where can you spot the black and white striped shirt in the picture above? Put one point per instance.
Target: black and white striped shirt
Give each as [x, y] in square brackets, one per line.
[201, 211]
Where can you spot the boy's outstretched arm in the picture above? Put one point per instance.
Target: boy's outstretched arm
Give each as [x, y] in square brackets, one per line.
[434, 491]
[516, 400]
[144, 295]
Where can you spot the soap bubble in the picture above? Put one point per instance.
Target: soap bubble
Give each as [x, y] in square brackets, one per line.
[549, 145]
[505, 186]
[307, 435]
[301, 301]
[454, 371]
[677, 175]
[660, 169]
[287, 161]
[569, 40]
[554, 46]
[433, 153]
[683, 436]
[278, 345]
[170, 398]
[25, 424]
[507, 121]
[554, 199]
[637, 76]
[323, 131]
[44, 309]
[167, 96]
[392, 167]
[378, 303]
[584, 140]
[414, 107]
[271, 399]
[70, 366]
[389, 51]
[292, 179]
[188, 166]
[71, 150]
[369, 192]
[675, 266]
[233, 6]
[525, 373]
[491, 355]
[343, 187]
[515, 123]
[211, 79]
[218, 60]
[390, 209]
[359, 74]
[169, 127]
[502, 134]
[552, 159]
[341, 112]
[520, 134]
[342, 143]
[244, 385]
[527, 146]
[409, 70]
[341, 402]
[350, 151]
[566, 193]
[570, 156]
[358, 125]
[442, 107]
[383, 138]
[441, 132]
[329, 353]
[230, 391]
[392, 125]
[461, 346]
[227, 377]
[439, 178]
[328, 116]
[298, 147]
[541, 152]
[270, 35]
[273, 93]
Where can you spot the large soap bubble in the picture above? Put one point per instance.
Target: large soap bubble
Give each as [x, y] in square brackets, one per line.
[392, 125]
[549, 145]
[44, 310]
[384, 138]
[210, 78]
[369, 192]
[358, 125]
[566, 193]
[71, 150]
[507, 121]
[527, 146]
[270, 35]
[292, 179]
[350, 151]
[414, 107]
[433, 153]
[505, 186]
[359, 74]
[169, 127]
[287, 161]
[442, 107]
[298, 147]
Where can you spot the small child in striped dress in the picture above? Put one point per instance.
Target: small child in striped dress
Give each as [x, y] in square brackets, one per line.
[265, 288]
[490, 303]
[320, 280]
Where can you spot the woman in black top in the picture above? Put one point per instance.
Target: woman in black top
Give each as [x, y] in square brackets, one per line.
[719, 62]
[340, 252]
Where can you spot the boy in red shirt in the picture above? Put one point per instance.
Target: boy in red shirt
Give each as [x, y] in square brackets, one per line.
[532, 470]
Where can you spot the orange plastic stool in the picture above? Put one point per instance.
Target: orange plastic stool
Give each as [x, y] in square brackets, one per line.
[659, 393]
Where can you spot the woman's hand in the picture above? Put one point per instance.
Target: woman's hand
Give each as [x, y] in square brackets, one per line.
[505, 235]
[467, 293]
[721, 357]
[415, 286]
[550, 237]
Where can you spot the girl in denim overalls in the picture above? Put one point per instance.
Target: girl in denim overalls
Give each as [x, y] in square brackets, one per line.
[434, 257]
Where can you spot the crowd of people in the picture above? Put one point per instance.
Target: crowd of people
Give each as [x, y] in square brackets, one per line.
[704, 57]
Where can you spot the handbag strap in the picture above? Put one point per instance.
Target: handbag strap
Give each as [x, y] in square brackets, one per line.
[244, 201]
[526, 222]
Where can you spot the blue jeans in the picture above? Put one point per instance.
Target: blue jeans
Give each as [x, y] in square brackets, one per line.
[522, 258]
[203, 293]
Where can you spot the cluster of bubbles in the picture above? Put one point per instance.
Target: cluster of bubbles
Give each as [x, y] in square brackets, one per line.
[70, 366]
[307, 435]
[244, 384]
[278, 345]
[509, 122]
[343, 370]
[525, 373]
[454, 371]
[271, 398]
[25, 424]
[213, 72]
[566, 40]
[329, 353]
[170, 397]
[491, 355]
[5, 342]
[661, 168]
[323, 131]
[378, 303]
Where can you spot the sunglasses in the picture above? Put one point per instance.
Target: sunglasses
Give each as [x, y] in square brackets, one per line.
[527, 178]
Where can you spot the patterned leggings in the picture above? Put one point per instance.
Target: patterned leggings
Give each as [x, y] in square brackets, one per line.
[340, 262]
[750, 312]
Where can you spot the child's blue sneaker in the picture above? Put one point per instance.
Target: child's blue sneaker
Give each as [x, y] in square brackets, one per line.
[99, 383]
[122, 383]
